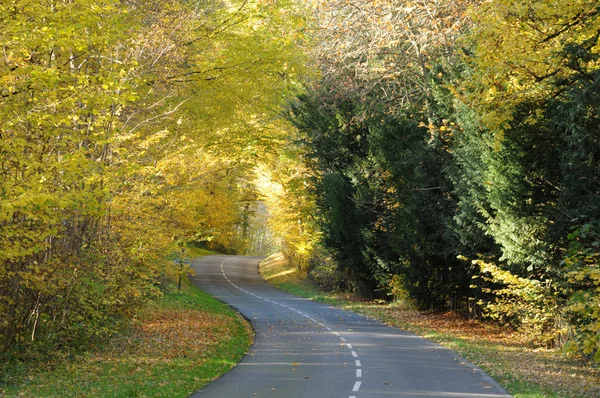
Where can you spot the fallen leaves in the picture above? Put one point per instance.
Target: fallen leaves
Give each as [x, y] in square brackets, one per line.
[173, 348]
[173, 333]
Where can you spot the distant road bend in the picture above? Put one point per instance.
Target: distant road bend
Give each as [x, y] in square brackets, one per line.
[307, 349]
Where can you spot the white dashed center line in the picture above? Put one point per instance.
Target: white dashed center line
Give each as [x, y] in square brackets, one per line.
[354, 354]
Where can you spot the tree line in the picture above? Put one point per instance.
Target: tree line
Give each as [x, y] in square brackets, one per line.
[441, 152]
[453, 149]
[128, 129]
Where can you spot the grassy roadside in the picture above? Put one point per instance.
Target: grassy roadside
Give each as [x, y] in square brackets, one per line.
[523, 371]
[177, 345]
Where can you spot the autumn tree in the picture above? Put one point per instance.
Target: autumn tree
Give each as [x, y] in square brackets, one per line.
[389, 49]
[126, 126]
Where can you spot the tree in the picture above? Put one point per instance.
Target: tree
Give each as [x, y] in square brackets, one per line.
[379, 142]
[527, 85]
[113, 115]
[386, 52]
[520, 54]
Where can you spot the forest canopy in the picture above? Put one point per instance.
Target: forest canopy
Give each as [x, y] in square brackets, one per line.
[128, 129]
[445, 153]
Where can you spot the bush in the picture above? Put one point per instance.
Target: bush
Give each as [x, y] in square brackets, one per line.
[529, 305]
[583, 278]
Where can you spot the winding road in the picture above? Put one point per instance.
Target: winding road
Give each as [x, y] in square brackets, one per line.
[308, 349]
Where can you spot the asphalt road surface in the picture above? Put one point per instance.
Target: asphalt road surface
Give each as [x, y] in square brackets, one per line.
[308, 349]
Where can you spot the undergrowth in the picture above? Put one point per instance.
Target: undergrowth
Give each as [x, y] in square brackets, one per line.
[176, 345]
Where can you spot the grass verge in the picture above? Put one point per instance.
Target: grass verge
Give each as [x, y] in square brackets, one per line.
[525, 372]
[177, 345]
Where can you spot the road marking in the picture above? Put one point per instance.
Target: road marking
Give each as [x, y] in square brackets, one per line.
[354, 354]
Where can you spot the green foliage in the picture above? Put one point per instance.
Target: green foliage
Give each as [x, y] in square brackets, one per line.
[325, 272]
[582, 265]
[345, 186]
[481, 145]
[385, 208]
[528, 180]
[423, 236]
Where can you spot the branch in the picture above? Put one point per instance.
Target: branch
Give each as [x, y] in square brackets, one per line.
[163, 115]
[577, 19]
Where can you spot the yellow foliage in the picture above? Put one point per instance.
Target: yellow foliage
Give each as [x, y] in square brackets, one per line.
[291, 207]
[519, 52]
[583, 262]
[530, 305]
[133, 128]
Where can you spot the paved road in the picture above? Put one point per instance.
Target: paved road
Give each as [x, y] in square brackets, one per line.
[307, 349]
